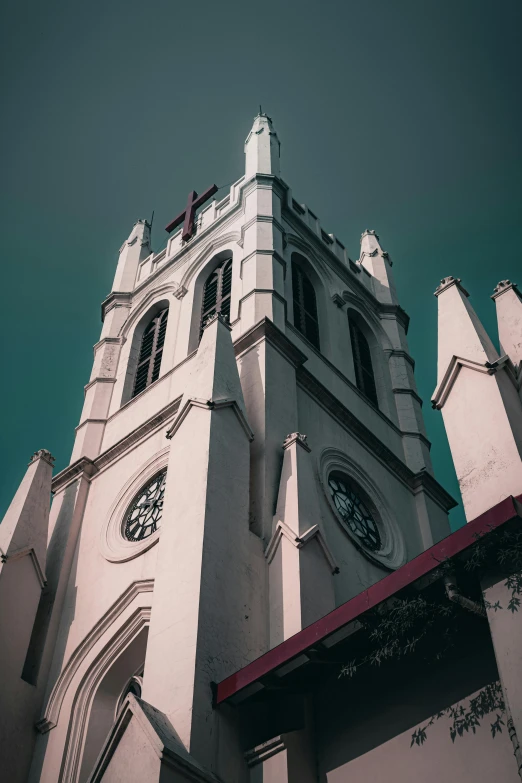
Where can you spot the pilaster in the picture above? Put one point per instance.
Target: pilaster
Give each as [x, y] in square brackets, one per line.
[301, 566]
[206, 615]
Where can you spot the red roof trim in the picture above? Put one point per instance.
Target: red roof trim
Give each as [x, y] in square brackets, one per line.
[420, 566]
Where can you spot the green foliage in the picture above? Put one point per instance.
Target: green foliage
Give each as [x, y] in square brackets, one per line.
[398, 628]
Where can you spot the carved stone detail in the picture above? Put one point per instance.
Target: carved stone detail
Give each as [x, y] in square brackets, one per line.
[338, 300]
[42, 454]
[503, 286]
[446, 282]
[180, 292]
[296, 437]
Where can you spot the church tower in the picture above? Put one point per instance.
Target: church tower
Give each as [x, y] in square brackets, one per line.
[251, 454]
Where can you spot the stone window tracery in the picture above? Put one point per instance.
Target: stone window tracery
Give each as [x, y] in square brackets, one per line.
[305, 305]
[362, 360]
[151, 351]
[354, 512]
[217, 293]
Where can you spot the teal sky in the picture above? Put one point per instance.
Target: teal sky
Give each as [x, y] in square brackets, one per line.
[399, 115]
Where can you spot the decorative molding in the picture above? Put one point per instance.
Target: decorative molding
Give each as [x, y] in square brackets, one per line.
[18, 554]
[357, 429]
[180, 291]
[444, 388]
[267, 330]
[82, 468]
[338, 300]
[296, 437]
[217, 317]
[130, 440]
[109, 653]
[446, 283]
[503, 286]
[115, 299]
[395, 312]
[403, 354]
[98, 379]
[282, 529]
[210, 405]
[411, 392]
[43, 454]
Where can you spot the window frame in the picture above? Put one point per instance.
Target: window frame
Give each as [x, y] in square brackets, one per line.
[147, 366]
[363, 364]
[221, 302]
[303, 315]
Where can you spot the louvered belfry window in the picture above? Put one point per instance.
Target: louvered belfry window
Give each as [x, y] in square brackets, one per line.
[151, 350]
[362, 360]
[305, 305]
[217, 292]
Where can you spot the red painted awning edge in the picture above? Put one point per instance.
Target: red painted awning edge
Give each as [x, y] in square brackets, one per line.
[421, 565]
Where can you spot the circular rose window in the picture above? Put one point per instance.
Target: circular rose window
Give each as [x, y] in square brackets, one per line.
[353, 511]
[144, 515]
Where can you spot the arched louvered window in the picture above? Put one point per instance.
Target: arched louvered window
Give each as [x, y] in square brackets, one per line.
[149, 361]
[305, 305]
[217, 292]
[362, 360]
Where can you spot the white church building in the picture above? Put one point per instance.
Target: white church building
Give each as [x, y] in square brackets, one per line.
[250, 477]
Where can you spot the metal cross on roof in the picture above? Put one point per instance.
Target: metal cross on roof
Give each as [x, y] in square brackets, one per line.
[187, 216]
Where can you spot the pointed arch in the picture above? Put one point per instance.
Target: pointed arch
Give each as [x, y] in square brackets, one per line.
[362, 361]
[146, 350]
[306, 297]
[106, 658]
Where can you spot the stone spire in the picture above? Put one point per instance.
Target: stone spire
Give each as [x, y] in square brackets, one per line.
[509, 317]
[135, 249]
[23, 545]
[378, 263]
[460, 330]
[262, 148]
[480, 405]
[26, 520]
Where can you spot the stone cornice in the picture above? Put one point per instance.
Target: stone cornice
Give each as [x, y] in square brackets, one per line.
[115, 299]
[446, 283]
[267, 330]
[375, 446]
[282, 529]
[88, 468]
[399, 352]
[396, 312]
[211, 405]
[123, 445]
[82, 468]
[444, 388]
[424, 481]
[411, 392]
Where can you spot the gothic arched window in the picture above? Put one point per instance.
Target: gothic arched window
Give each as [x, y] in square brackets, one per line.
[217, 293]
[151, 350]
[305, 305]
[362, 360]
